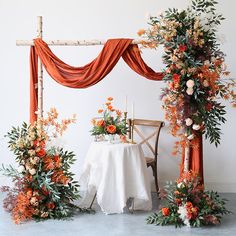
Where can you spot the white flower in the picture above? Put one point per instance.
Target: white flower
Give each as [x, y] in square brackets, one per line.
[21, 169]
[34, 160]
[183, 215]
[205, 83]
[190, 83]
[189, 91]
[34, 201]
[32, 171]
[207, 63]
[196, 127]
[190, 137]
[213, 59]
[188, 121]
[180, 185]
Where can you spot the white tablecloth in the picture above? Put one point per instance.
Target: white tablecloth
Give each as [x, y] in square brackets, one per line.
[116, 172]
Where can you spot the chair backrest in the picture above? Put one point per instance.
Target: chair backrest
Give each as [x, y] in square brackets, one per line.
[134, 127]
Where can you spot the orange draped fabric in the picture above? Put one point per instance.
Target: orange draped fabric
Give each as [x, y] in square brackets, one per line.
[196, 157]
[92, 73]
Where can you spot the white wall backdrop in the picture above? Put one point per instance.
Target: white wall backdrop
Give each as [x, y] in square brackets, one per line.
[75, 19]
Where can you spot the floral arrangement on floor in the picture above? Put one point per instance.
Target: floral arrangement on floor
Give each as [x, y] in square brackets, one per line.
[195, 70]
[110, 122]
[187, 203]
[43, 183]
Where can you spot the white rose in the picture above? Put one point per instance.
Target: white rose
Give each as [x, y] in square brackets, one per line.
[190, 83]
[205, 83]
[189, 91]
[188, 121]
[21, 169]
[32, 171]
[196, 127]
[190, 137]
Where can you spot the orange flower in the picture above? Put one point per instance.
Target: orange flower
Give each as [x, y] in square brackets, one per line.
[108, 103]
[176, 79]
[100, 123]
[41, 152]
[141, 32]
[110, 108]
[110, 99]
[119, 113]
[165, 211]
[100, 111]
[123, 139]
[93, 121]
[182, 48]
[48, 163]
[57, 161]
[50, 205]
[111, 129]
[29, 193]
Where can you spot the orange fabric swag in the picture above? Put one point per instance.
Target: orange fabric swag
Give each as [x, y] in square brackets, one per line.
[92, 73]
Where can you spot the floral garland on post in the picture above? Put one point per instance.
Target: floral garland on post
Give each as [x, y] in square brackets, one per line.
[43, 183]
[195, 66]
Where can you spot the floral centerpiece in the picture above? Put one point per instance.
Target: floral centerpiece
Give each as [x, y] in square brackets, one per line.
[43, 183]
[110, 121]
[195, 70]
[187, 203]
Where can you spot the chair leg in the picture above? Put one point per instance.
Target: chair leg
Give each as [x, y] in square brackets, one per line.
[154, 169]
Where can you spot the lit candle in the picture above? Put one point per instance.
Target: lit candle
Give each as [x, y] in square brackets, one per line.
[133, 110]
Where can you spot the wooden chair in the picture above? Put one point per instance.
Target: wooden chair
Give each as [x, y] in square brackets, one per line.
[133, 127]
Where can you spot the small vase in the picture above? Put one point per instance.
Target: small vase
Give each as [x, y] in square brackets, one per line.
[110, 138]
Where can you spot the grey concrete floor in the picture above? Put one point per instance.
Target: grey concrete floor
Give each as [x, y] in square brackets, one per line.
[113, 225]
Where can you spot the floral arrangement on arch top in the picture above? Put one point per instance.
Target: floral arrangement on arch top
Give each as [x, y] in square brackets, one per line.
[43, 183]
[195, 70]
[111, 121]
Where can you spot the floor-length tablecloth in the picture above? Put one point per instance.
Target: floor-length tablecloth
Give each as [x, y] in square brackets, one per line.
[116, 172]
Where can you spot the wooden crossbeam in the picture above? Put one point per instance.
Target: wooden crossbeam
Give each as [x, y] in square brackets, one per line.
[71, 42]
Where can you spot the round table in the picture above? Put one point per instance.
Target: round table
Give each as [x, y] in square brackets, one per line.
[116, 172]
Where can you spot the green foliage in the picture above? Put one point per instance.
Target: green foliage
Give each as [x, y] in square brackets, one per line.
[201, 207]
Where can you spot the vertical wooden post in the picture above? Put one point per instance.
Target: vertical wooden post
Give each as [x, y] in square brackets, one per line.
[186, 157]
[40, 71]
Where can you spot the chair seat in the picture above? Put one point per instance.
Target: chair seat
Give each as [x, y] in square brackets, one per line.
[149, 160]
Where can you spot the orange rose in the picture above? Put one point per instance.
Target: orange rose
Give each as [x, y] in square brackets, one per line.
[108, 103]
[100, 111]
[110, 98]
[165, 211]
[100, 123]
[111, 129]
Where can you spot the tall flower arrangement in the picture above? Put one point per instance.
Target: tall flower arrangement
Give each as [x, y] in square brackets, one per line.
[195, 70]
[44, 186]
